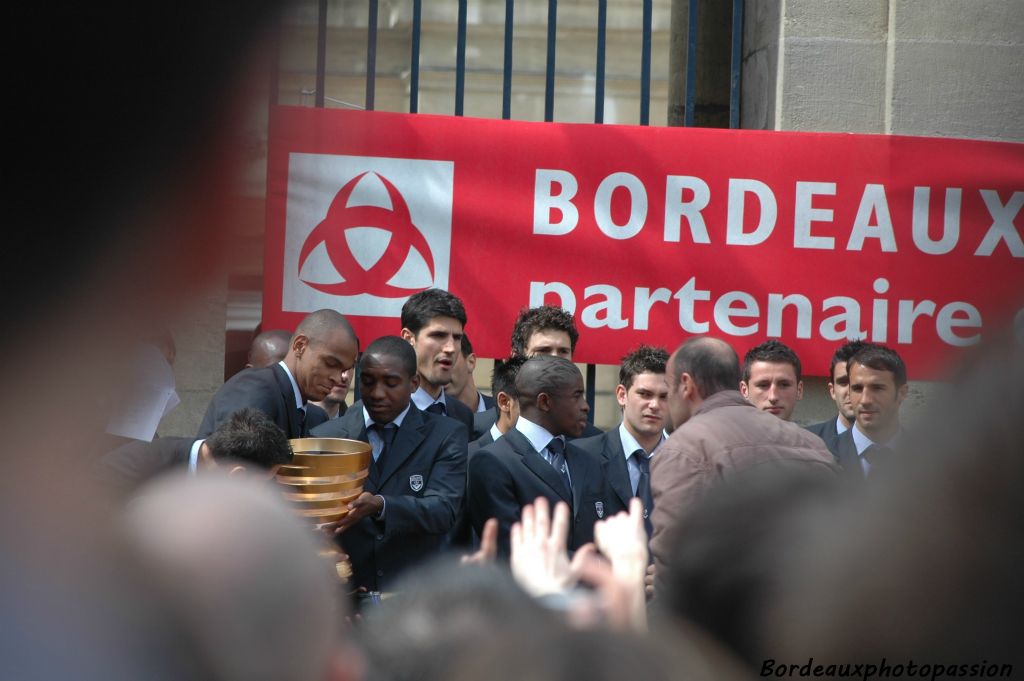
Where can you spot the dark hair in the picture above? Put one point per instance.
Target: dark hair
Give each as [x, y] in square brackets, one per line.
[426, 305]
[532, 320]
[250, 436]
[645, 359]
[843, 354]
[503, 379]
[712, 363]
[467, 347]
[771, 351]
[392, 346]
[544, 374]
[881, 358]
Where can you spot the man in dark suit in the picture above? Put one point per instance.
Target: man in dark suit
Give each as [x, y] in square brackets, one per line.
[532, 459]
[432, 322]
[247, 440]
[463, 385]
[839, 389]
[544, 330]
[878, 386]
[414, 492]
[503, 385]
[323, 347]
[642, 395]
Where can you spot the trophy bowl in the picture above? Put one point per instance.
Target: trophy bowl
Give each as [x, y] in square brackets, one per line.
[324, 476]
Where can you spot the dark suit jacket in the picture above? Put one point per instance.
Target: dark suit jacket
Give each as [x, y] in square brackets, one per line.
[507, 474]
[608, 446]
[847, 456]
[826, 430]
[488, 401]
[267, 389]
[125, 468]
[483, 420]
[461, 413]
[422, 480]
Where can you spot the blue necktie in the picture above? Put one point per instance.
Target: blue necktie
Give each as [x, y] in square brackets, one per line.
[556, 448]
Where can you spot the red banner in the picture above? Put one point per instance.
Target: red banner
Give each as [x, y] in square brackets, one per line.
[648, 235]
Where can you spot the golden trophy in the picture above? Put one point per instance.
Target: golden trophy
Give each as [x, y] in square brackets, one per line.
[325, 475]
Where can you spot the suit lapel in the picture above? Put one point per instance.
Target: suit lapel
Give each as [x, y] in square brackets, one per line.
[407, 439]
[618, 472]
[536, 463]
[285, 386]
[848, 458]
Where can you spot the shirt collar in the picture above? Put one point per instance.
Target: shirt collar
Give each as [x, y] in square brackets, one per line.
[299, 404]
[398, 419]
[422, 399]
[193, 457]
[480, 404]
[630, 444]
[538, 436]
[495, 433]
[840, 426]
[863, 441]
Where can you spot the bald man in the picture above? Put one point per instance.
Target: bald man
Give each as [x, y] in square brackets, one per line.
[268, 347]
[534, 460]
[718, 437]
[322, 349]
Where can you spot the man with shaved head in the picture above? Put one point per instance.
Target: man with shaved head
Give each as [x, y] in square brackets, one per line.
[718, 436]
[321, 350]
[268, 347]
[534, 460]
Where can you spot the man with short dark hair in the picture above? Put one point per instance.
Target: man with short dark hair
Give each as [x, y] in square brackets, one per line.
[503, 385]
[642, 394]
[432, 322]
[839, 388]
[463, 386]
[268, 348]
[322, 349]
[717, 436]
[544, 330]
[772, 379]
[414, 492]
[247, 440]
[533, 458]
[878, 386]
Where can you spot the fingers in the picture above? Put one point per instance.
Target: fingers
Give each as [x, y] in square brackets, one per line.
[542, 515]
[489, 540]
[560, 525]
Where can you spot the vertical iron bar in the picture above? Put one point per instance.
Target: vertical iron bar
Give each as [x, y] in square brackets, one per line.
[602, 32]
[691, 63]
[591, 390]
[736, 63]
[645, 66]
[506, 82]
[321, 53]
[414, 66]
[371, 55]
[549, 83]
[460, 60]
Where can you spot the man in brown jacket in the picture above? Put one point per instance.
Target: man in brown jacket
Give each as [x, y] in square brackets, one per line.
[718, 435]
